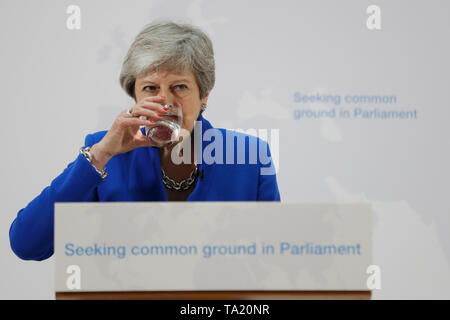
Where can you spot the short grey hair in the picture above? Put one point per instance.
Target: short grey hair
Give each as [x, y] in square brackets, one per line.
[170, 46]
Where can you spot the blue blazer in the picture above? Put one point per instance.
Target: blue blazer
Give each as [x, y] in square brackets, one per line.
[136, 176]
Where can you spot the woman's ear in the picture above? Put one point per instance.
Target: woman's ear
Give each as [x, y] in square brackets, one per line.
[133, 90]
[205, 98]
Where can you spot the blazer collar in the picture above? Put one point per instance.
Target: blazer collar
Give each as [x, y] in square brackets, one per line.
[198, 138]
[200, 186]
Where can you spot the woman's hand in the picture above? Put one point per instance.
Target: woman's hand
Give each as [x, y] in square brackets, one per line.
[125, 134]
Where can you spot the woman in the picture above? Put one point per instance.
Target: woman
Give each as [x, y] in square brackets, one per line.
[167, 64]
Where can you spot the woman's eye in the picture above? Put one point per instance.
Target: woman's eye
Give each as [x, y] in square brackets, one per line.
[149, 88]
[181, 86]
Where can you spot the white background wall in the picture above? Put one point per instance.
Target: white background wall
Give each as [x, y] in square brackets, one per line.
[58, 85]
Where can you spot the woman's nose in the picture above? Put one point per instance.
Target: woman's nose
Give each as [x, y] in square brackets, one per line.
[170, 98]
[166, 93]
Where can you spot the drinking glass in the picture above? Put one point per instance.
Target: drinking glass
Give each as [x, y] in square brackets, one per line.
[167, 129]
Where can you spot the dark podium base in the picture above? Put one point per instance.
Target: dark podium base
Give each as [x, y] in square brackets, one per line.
[216, 295]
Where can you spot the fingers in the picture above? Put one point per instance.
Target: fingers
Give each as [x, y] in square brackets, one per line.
[141, 111]
[157, 107]
[143, 141]
[153, 103]
[150, 107]
[127, 121]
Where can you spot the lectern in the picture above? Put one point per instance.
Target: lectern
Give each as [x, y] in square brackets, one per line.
[212, 250]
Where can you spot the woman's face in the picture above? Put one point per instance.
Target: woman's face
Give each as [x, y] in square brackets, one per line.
[179, 89]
